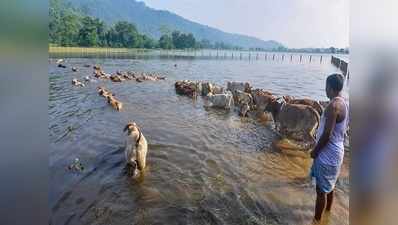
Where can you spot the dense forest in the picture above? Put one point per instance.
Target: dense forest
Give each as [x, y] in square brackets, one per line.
[150, 21]
[71, 27]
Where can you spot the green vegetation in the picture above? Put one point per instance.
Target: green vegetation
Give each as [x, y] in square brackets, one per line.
[153, 23]
[166, 42]
[69, 27]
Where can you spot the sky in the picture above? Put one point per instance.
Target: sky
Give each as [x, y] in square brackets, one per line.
[294, 23]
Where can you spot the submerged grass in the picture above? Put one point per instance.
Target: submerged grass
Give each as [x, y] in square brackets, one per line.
[57, 49]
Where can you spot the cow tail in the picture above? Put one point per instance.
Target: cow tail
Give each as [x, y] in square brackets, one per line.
[318, 117]
[318, 108]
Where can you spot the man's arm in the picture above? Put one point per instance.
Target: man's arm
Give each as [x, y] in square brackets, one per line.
[330, 122]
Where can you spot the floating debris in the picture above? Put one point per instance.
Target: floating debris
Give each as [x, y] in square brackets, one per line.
[76, 166]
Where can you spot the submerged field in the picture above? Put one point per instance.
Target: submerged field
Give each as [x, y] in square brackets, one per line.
[205, 166]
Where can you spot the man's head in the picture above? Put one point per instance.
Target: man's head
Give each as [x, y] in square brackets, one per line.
[334, 85]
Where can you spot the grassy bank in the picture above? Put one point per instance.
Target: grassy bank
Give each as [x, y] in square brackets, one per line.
[56, 51]
[141, 53]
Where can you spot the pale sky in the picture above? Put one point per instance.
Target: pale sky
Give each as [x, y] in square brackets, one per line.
[294, 23]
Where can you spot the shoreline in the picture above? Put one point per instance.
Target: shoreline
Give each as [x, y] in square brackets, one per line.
[125, 53]
[79, 49]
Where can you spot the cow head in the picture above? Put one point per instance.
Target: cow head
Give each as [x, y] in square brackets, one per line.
[275, 106]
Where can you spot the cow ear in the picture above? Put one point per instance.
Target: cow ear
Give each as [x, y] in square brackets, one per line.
[126, 127]
[130, 123]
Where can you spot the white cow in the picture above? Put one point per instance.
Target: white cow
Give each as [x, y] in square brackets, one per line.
[224, 101]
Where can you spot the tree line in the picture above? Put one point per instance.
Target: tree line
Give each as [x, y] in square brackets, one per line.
[70, 27]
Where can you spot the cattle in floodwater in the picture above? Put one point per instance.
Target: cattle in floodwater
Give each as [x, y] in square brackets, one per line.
[186, 87]
[295, 122]
[244, 101]
[238, 86]
[223, 101]
[261, 99]
[78, 83]
[244, 109]
[305, 101]
[208, 87]
[104, 92]
[116, 104]
[116, 78]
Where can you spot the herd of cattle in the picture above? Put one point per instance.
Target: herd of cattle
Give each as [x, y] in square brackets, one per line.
[123, 76]
[119, 76]
[110, 98]
[296, 120]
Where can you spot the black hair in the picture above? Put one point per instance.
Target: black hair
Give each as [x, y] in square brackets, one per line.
[335, 81]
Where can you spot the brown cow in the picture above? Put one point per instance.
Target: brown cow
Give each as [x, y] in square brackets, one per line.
[305, 101]
[262, 98]
[186, 87]
[116, 104]
[104, 92]
[116, 78]
[296, 122]
[98, 73]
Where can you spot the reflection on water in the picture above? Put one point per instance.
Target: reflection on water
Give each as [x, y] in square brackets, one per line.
[204, 166]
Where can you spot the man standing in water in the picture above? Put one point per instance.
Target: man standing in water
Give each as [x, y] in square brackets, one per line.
[329, 150]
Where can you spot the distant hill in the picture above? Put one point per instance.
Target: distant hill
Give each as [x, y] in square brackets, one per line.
[150, 22]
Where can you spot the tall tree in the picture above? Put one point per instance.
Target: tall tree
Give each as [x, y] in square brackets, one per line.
[64, 24]
[166, 42]
[101, 32]
[190, 41]
[70, 27]
[88, 34]
[177, 43]
[127, 34]
[54, 21]
[148, 42]
[182, 40]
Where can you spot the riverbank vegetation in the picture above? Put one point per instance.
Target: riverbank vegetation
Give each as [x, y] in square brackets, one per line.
[69, 27]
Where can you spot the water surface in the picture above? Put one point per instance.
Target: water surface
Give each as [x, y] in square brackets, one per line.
[205, 166]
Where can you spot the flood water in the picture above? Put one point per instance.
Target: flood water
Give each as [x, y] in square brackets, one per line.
[205, 166]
